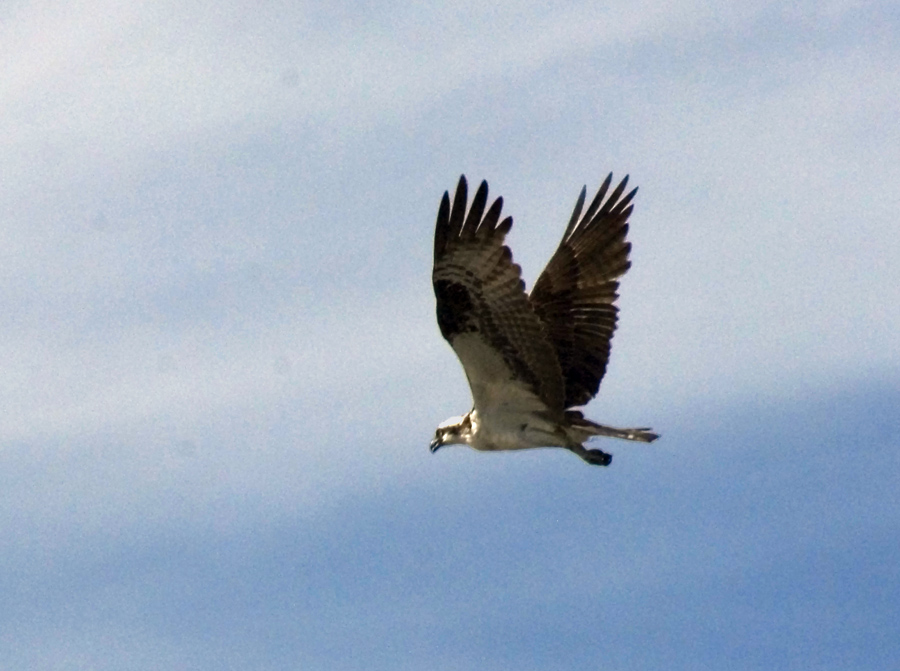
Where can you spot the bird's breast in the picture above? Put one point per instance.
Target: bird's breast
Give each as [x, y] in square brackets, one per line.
[513, 431]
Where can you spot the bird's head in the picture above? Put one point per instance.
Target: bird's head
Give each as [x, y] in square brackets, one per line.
[453, 431]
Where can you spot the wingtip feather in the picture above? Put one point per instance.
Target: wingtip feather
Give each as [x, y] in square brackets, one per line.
[475, 211]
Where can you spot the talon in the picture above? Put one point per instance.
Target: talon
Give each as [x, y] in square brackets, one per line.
[599, 458]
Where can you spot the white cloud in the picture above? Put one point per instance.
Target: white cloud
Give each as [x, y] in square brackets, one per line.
[214, 281]
[763, 236]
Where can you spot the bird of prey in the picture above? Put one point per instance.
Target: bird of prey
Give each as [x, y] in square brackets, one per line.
[530, 358]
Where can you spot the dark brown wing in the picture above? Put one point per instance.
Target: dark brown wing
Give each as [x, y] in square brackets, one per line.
[575, 294]
[483, 310]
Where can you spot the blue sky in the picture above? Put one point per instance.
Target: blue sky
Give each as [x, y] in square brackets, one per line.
[222, 368]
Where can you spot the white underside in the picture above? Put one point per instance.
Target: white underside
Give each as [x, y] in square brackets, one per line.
[508, 415]
[493, 384]
[514, 431]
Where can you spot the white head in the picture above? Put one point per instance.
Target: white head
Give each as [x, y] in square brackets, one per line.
[453, 431]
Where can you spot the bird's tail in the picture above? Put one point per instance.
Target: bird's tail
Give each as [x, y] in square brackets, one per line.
[589, 429]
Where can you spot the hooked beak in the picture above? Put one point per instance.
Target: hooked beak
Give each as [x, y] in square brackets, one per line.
[436, 444]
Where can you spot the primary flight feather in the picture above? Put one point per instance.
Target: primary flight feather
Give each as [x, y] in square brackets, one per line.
[530, 359]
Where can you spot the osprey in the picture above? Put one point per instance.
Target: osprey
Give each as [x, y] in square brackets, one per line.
[530, 358]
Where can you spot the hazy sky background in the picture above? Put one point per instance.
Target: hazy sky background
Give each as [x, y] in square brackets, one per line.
[221, 367]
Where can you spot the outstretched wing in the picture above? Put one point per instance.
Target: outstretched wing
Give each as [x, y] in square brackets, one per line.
[575, 295]
[484, 313]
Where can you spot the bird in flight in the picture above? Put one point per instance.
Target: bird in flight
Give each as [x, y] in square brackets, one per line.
[530, 358]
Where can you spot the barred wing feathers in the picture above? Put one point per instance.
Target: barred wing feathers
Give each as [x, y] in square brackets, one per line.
[484, 312]
[575, 295]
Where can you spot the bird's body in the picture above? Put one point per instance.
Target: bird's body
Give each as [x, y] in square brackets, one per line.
[530, 358]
